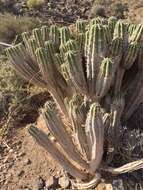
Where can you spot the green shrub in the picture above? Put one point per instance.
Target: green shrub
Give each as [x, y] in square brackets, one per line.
[35, 4]
[10, 26]
[12, 87]
[10, 81]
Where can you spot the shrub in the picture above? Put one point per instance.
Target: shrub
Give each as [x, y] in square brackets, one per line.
[12, 88]
[35, 4]
[94, 72]
[10, 82]
[97, 11]
[10, 26]
[119, 10]
[19, 100]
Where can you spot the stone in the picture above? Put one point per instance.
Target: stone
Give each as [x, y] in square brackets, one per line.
[83, 10]
[15, 156]
[51, 182]
[104, 186]
[9, 165]
[109, 187]
[40, 184]
[27, 188]
[8, 159]
[17, 8]
[10, 150]
[27, 162]
[20, 173]
[46, 188]
[64, 182]
[21, 154]
[100, 186]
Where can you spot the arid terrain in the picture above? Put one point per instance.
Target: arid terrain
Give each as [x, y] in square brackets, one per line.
[23, 164]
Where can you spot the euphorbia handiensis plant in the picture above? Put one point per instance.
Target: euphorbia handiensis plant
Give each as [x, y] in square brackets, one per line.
[94, 72]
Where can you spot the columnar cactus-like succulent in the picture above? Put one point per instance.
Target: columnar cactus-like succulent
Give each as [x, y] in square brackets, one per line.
[85, 68]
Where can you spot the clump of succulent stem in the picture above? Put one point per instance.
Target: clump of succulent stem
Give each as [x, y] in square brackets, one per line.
[87, 69]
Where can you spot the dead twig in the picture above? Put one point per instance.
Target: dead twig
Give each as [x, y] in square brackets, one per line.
[127, 168]
[5, 44]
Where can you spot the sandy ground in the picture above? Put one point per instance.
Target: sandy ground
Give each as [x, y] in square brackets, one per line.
[22, 162]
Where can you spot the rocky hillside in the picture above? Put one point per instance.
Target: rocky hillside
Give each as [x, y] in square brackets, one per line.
[52, 10]
[67, 11]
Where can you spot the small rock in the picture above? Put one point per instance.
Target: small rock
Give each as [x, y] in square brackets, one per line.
[10, 150]
[109, 187]
[83, 10]
[59, 174]
[17, 7]
[2, 178]
[27, 162]
[8, 159]
[51, 182]
[64, 182]
[40, 183]
[46, 188]
[20, 173]
[18, 147]
[9, 175]
[21, 154]
[15, 156]
[10, 165]
[27, 188]
[100, 186]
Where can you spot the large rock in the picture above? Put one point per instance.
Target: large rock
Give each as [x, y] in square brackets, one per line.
[64, 182]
